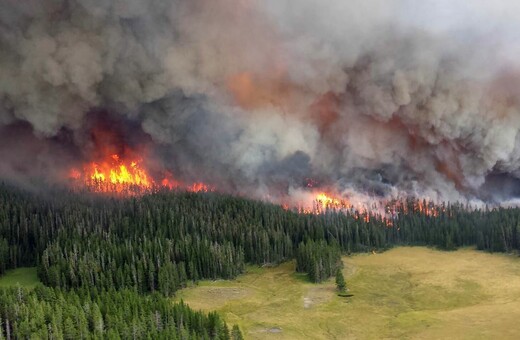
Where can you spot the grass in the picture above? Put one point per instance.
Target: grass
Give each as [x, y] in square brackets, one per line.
[404, 293]
[25, 277]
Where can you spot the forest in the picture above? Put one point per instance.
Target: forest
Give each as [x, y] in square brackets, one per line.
[47, 313]
[94, 253]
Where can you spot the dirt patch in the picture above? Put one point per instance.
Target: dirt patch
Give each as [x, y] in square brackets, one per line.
[307, 302]
[317, 295]
[273, 330]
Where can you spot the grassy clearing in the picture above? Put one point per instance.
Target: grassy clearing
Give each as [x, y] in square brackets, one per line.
[25, 277]
[403, 293]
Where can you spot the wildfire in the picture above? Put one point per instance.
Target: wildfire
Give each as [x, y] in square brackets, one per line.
[200, 187]
[321, 201]
[127, 177]
[113, 174]
[170, 183]
[117, 172]
[385, 212]
[119, 160]
[427, 209]
[327, 200]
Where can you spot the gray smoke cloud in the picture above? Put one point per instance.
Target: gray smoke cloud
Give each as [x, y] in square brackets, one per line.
[379, 97]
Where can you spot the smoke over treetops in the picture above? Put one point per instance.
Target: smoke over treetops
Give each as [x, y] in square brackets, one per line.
[268, 97]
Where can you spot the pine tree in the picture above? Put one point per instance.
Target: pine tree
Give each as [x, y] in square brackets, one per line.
[69, 331]
[340, 281]
[97, 320]
[236, 334]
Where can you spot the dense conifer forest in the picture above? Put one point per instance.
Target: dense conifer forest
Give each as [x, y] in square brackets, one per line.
[47, 313]
[102, 251]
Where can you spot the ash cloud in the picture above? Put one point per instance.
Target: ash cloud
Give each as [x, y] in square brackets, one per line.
[381, 97]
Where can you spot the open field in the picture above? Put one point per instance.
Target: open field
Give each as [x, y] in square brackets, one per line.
[414, 292]
[25, 277]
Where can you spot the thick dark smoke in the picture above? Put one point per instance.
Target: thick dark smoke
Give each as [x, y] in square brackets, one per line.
[375, 97]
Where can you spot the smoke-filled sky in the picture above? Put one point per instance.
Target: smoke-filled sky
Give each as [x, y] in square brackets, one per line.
[384, 97]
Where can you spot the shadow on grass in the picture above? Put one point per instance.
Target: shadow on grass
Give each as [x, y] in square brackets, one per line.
[345, 295]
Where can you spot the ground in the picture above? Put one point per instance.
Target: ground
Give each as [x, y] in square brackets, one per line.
[409, 292]
[25, 277]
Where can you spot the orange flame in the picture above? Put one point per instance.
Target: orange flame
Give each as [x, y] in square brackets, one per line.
[326, 201]
[123, 177]
[118, 172]
[321, 202]
[113, 175]
[200, 187]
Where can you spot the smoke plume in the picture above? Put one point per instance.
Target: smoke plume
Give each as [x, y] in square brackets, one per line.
[266, 98]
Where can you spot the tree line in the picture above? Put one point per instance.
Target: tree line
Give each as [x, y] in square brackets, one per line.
[52, 313]
[319, 260]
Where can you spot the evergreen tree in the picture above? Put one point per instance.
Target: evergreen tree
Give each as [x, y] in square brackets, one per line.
[236, 334]
[52, 313]
[340, 281]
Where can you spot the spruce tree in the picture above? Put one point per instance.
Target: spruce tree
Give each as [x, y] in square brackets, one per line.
[236, 334]
[340, 281]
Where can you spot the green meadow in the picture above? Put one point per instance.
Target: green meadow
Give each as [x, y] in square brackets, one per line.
[25, 277]
[404, 293]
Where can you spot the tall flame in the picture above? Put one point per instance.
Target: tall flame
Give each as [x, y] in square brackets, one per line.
[117, 171]
[127, 177]
[114, 174]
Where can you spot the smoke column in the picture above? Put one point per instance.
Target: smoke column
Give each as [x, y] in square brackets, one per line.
[374, 97]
